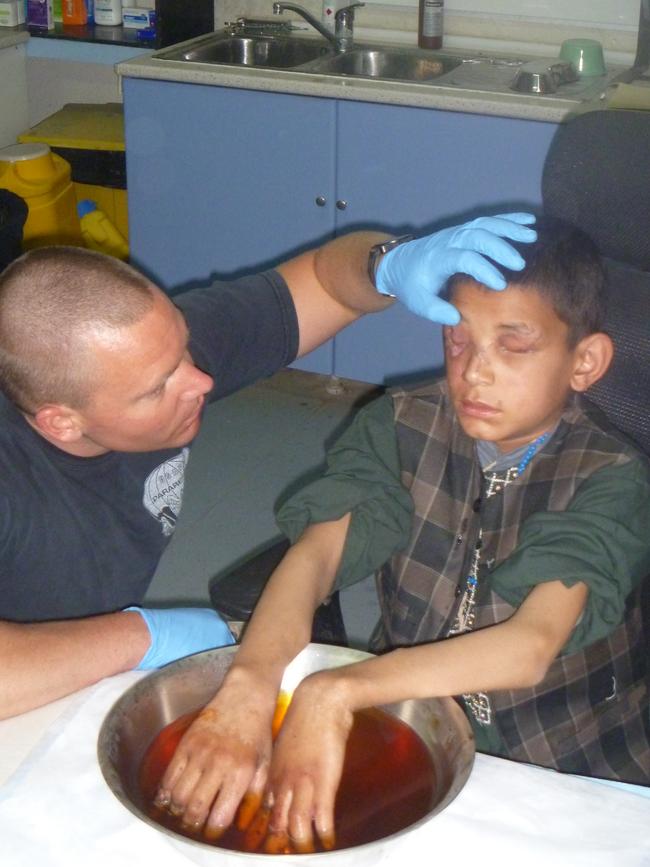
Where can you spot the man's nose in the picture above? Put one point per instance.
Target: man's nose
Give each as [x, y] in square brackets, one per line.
[478, 370]
[196, 382]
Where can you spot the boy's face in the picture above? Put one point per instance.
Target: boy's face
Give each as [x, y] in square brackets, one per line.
[509, 364]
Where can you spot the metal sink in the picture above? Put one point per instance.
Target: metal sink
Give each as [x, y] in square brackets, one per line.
[261, 45]
[390, 64]
[272, 52]
[312, 55]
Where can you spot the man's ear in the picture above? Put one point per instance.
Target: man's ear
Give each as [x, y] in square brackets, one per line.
[593, 355]
[58, 422]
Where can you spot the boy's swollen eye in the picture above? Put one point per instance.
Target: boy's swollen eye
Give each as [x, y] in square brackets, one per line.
[456, 339]
[516, 344]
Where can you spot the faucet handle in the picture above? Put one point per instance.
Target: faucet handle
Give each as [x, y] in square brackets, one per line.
[347, 10]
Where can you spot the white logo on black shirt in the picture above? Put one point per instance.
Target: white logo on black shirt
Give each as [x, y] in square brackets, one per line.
[163, 491]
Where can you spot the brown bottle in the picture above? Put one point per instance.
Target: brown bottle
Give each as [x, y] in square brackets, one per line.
[430, 24]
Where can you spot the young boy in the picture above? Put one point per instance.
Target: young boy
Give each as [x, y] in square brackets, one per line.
[509, 523]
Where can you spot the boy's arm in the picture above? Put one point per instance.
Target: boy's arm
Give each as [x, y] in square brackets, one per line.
[225, 754]
[600, 539]
[228, 747]
[513, 654]
[308, 756]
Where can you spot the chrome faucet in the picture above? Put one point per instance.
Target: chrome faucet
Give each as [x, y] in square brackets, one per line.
[343, 37]
[344, 26]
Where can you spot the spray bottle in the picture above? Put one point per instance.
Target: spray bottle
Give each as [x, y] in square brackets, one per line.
[98, 231]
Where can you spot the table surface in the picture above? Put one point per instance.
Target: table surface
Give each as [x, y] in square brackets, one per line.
[20, 734]
[505, 813]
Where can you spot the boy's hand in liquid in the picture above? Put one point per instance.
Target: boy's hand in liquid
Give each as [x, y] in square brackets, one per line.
[306, 768]
[223, 758]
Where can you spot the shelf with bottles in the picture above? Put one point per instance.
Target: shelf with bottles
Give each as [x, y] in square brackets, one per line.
[110, 35]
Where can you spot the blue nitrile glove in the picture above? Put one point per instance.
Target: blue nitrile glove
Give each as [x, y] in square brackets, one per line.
[417, 271]
[178, 632]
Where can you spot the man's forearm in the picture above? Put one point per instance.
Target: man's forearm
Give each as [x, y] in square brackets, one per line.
[342, 269]
[45, 661]
[330, 287]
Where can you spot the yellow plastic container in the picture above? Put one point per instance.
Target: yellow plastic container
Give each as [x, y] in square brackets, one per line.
[90, 136]
[42, 179]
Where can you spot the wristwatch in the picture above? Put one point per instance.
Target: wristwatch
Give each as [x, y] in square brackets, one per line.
[379, 250]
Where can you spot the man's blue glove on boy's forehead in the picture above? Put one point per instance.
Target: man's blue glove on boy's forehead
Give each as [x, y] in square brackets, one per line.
[416, 272]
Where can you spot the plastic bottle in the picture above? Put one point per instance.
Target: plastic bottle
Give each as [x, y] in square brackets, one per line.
[40, 14]
[108, 12]
[98, 231]
[430, 23]
[74, 12]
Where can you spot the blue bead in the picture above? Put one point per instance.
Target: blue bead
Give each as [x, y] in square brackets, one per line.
[530, 451]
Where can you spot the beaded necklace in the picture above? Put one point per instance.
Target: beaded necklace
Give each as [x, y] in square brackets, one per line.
[479, 703]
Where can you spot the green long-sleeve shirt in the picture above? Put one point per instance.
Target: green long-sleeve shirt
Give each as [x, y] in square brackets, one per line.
[601, 539]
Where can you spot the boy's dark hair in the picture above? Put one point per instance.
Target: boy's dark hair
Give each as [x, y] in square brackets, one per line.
[565, 267]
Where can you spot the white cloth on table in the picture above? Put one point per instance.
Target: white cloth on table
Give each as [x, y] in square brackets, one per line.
[57, 811]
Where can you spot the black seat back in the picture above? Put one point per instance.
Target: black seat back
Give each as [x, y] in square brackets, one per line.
[597, 176]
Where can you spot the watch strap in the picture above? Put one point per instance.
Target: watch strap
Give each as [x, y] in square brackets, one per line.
[377, 251]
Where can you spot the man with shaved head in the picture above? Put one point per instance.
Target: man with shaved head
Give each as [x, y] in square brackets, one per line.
[52, 304]
[104, 380]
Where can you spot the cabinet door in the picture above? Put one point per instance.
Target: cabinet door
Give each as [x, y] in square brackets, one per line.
[224, 182]
[406, 169]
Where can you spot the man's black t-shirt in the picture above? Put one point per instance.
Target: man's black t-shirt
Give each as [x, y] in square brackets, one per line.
[82, 536]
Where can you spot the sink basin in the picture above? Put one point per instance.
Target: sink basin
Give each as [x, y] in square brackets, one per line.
[281, 48]
[272, 52]
[313, 55]
[391, 64]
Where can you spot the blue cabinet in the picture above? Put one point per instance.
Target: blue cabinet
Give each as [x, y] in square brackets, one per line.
[224, 181]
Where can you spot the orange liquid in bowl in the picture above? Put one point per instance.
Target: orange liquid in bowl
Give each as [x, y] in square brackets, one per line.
[388, 781]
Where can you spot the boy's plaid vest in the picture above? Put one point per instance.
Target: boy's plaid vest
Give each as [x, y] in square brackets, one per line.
[590, 713]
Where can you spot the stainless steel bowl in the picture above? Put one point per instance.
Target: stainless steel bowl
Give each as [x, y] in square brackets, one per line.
[158, 699]
[543, 77]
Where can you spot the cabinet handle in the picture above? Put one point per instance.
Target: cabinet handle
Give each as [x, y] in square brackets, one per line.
[341, 204]
[321, 201]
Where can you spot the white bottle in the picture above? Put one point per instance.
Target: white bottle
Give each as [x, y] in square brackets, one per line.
[108, 12]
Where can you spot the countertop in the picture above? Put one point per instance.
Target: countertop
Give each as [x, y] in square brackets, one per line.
[549, 108]
[10, 36]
